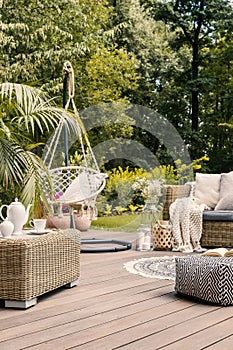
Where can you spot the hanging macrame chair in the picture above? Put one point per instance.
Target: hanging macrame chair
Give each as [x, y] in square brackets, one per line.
[77, 185]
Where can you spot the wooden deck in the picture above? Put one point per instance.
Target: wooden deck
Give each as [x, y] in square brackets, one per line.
[113, 309]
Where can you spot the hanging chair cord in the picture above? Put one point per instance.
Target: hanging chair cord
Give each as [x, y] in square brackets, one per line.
[53, 145]
[68, 69]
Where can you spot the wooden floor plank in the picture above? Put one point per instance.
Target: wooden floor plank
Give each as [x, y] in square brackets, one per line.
[225, 344]
[81, 333]
[203, 338]
[134, 302]
[114, 309]
[186, 333]
[139, 336]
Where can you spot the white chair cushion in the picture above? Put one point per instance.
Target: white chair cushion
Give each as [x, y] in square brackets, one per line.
[81, 188]
[207, 188]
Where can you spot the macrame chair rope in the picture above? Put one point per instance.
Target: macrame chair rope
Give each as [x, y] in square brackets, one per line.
[73, 185]
[67, 68]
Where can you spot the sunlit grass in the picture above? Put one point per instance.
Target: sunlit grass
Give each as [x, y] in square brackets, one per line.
[122, 223]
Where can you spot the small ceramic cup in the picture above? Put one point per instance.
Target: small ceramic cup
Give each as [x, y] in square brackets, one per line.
[39, 224]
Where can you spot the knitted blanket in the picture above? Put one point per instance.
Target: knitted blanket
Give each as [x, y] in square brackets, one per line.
[186, 220]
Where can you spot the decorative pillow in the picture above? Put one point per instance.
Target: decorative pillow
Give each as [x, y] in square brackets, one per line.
[226, 185]
[207, 188]
[82, 187]
[225, 203]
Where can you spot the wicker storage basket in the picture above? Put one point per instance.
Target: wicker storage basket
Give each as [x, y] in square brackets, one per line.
[162, 235]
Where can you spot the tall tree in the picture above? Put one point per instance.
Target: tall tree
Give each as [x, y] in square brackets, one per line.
[216, 104]
[198, 20]
[147, 39]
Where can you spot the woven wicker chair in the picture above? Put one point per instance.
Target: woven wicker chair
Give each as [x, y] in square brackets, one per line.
[214, 233]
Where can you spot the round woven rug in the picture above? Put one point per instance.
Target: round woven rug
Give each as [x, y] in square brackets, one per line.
[159, 267]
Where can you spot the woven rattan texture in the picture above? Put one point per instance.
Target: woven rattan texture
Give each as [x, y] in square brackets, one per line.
[30, 267]
[217, 234]
[172, 192]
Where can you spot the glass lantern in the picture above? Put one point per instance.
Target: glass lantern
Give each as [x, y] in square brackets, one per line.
[148, 218]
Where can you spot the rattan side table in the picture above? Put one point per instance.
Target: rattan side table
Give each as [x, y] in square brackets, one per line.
[32, 265]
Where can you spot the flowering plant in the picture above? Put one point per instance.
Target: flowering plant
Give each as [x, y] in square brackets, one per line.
[149, 190]
[57, 208]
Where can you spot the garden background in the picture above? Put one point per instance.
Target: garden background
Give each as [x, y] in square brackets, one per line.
[174, 57]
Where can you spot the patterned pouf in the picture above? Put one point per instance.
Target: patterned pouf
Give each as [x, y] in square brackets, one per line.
[207, 278]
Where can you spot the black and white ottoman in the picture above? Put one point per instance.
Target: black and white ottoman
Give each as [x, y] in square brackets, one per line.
[207, 278]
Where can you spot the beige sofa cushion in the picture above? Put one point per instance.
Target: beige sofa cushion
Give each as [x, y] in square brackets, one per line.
[226, 192]
[225, 203]
[207, 189]
[226, 184]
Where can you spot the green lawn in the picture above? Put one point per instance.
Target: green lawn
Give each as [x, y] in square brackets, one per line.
[124, 223]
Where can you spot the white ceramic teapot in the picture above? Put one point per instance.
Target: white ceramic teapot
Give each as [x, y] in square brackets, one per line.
[17, 214]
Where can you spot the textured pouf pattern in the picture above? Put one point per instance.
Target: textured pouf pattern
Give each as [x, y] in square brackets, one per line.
[207, 278]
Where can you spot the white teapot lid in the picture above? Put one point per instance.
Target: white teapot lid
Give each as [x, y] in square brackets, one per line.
[16, 202]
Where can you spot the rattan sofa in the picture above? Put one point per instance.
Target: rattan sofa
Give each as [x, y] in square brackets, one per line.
[217, 228]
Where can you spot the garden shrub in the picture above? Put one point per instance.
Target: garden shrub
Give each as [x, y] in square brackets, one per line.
[126, 189]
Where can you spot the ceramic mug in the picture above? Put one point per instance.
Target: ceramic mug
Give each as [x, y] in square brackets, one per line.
[38, 224]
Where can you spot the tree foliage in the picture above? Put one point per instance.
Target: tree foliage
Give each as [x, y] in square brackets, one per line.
[39, 36]
[200, 27]
[173, 56]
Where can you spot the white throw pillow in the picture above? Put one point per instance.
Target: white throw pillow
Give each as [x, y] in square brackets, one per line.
[226, 192]
[207, 188]
[226, 185]
[225, 203]
[83, 187]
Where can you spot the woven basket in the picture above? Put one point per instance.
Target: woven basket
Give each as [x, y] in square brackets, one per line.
[162, 235]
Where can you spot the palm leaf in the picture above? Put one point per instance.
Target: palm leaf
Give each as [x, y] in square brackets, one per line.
[34, 184]
[22, 108]
[12, 162]
[29, 106]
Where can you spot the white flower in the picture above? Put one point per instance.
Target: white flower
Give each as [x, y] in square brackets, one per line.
[150, 189]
